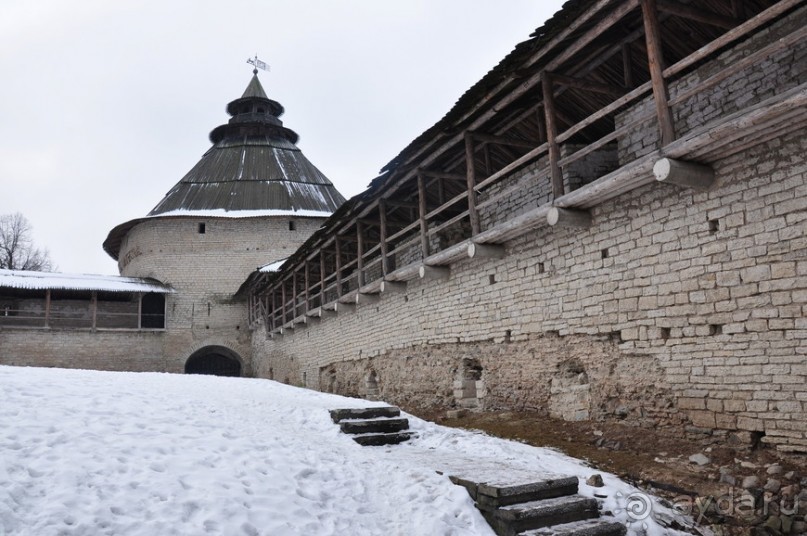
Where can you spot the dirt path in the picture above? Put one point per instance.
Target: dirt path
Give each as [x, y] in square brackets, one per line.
[733, 490]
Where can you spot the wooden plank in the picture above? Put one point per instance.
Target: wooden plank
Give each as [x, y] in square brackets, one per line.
[551, 135]
[307, 287]
[655, 59]
[449, 255]
[502, 140]
[424, 225]
[587, 85]
[94, 308]
[139, 309]
[696, 14]
[760, 55]
[470, 170]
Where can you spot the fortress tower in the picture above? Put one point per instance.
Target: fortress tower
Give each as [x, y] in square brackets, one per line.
[253, 198]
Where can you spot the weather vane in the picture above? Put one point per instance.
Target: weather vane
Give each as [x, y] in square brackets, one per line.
[258, 64]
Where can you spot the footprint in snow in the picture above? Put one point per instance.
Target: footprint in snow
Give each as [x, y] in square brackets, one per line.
[117, 510]
[157, 467]
[249, 529]
[210, 526]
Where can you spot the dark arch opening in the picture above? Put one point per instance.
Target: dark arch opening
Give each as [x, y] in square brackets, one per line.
[215, 361]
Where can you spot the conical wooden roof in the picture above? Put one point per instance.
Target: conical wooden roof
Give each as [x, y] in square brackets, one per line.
[253, 164]
[253, 168]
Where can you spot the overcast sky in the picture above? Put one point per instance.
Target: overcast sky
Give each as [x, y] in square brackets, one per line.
[105, 105]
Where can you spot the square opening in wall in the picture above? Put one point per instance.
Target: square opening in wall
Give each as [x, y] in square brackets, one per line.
[604, 253]
[714, 226]
[715, 329]
[292, 226]
[492, 279]
[202, 228]
[541, 268]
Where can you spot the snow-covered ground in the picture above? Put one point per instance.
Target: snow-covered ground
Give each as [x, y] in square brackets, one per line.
[87, 453]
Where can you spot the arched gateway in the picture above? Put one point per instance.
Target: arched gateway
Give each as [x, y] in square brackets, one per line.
[214, 360]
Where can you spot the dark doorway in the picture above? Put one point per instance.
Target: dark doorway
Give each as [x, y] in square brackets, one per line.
[214, 360]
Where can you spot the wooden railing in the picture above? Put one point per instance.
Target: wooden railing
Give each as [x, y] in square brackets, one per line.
[291, 299]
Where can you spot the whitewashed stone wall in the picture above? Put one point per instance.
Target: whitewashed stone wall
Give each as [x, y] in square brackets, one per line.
[674, 307]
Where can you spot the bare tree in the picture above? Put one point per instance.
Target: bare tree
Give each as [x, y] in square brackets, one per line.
[17, 249]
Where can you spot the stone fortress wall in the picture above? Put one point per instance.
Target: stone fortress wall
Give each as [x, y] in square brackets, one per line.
[205, 269]
[674, 306]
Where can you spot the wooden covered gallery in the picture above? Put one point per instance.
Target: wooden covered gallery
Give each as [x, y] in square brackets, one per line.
[42, 300]
[607, 97]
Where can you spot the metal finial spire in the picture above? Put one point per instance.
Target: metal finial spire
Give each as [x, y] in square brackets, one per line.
[258, 64]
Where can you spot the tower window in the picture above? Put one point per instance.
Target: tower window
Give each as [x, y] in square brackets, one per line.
[292, 226]
[202, 228]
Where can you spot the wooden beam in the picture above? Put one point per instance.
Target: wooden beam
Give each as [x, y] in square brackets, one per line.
[485, 251]
[392, 287]
[94, 308]
[503, 140]
[360, 253]
[627, 65]
[338, 267]
[424, 225]
[564, 217]
[366, 299]
[698, 15]
[655, 59]
[551, 135]
[471, 180]
[341, 307]
[686, 174]
[587, 85]
[47, 309]
[139, 309]
[283, 305]
[382, 216]
[433, 272]
[442, 175]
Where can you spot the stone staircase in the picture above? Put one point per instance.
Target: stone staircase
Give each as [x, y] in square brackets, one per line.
[373, 426]
[542, 508]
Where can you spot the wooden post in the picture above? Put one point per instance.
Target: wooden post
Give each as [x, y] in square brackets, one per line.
[307, 287]
[321, 277]
[686, 174]
[382, 216]
[271, 324]
[471, 180]
[627, 65]
[424, 225]
[362, 299]
[94, 308]
[564, 217]
[541, 119]
[338, 266]
[486, 154]
[293, 293]
[283, 299]
[551, 135]
[139, 310]
[655, 60]
[360, 251]
[47, 308]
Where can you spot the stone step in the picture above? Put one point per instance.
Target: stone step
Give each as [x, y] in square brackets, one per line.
[516, 518]
[339, 415]
[589, 527]
[490, 497]
[374, 426]
[376, 440]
